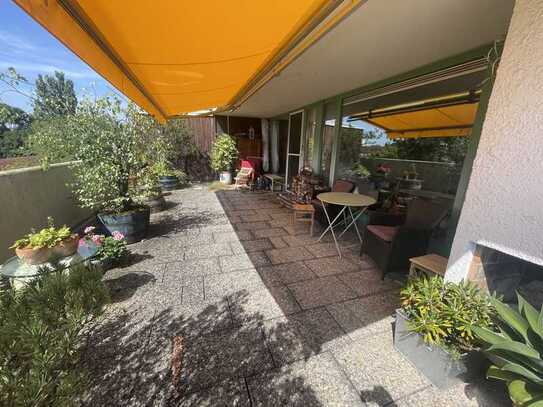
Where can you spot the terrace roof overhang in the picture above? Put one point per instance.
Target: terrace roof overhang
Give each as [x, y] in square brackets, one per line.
[177, 57]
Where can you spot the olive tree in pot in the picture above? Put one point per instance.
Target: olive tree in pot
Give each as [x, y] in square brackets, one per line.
[435, 328]
[224, 156]
[105, 141]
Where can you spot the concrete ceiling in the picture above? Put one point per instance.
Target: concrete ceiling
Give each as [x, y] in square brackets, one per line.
[382, 38]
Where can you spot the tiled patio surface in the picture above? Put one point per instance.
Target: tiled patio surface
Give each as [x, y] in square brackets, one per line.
[268, 317]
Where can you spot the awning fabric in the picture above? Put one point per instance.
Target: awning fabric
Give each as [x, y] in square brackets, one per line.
[173, 57]
[446, 121]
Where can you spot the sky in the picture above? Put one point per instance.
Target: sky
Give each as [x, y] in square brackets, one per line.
[31, 50]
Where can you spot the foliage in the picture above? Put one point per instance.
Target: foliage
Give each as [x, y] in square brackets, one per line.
[49, 236]
[441, 149]
[445, 313]
[14, 128]
[224, 153]
[55, 96]
[516, 350]
[42, 326]
[361, 171]
[106, 142]
[107, 247]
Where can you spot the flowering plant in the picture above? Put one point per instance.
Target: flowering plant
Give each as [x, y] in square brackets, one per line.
[107, 247]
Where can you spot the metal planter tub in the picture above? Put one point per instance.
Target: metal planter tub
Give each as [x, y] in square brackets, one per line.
[132, 224]
[432, 361]
[168, 182]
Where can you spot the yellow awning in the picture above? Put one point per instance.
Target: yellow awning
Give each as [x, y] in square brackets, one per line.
[173, 57]
[445, 121]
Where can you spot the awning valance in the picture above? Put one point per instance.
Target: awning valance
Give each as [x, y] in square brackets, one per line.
[175, 57]
[446, 121]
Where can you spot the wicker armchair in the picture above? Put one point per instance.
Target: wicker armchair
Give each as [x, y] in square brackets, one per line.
[390, 242]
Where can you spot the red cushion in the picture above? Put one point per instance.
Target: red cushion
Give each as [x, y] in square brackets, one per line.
[342, 186]
[386, 233]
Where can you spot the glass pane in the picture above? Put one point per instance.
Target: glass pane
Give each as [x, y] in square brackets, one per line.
[309, 139]
[293, 165]
[329, 119]
[295, 133]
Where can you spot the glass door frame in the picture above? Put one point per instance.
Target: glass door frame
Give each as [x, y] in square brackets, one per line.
[289, 154]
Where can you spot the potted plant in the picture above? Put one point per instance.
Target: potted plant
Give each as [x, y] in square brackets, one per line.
[435, 327]
[106, 142]
[168, 177]
[104, 251]
[150, 191]
[224, 155]
[39, 247]
[515, 349]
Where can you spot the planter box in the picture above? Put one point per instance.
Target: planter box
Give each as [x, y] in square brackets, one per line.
[432, 361]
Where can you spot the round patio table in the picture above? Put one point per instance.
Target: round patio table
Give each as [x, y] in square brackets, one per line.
[347, 201]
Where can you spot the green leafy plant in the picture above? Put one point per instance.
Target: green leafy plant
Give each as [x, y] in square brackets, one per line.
[515, 351]
[42, 328]
[361, 171]
[224, 153]
[46, 237]
[445, 313]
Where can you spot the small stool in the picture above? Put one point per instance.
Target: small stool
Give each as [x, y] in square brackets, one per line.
[430, 264]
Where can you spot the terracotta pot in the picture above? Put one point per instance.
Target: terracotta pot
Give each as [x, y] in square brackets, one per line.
[67, 247]
[33, 256]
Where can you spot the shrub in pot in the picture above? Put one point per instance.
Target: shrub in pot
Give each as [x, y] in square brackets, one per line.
[150, 191]
[106, 142]
[515, 348]
[39, 247]
[169, 178]
[435, 327]
[224, 156]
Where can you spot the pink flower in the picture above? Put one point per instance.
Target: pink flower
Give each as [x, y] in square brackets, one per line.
[89, 229]
[97, 239]
[117, 235]
[81, 243]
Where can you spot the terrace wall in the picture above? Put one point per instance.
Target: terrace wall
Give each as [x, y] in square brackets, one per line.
[503, 205]
[28, 196]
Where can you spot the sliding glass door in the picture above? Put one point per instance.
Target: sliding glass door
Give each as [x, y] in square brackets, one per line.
[295, 132]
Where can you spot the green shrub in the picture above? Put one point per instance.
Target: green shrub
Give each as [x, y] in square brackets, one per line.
[445, 313]
[41, 327]
[516, 350]
[224, 153]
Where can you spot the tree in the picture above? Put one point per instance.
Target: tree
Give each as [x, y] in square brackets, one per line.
[55, 96]
[14, 126]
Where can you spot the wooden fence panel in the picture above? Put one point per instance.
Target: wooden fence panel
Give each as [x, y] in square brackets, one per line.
[203, 131]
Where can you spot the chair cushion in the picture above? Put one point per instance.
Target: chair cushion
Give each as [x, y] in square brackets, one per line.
[342, 186]
[386, 233]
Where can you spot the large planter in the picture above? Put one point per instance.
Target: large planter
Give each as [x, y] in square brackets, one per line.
[432, 361]
[157, 203]
[132, 224]
[67, 247]
[225, 177]
[168, 182]
[34, 256]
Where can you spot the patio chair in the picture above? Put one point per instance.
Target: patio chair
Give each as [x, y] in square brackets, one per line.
[391, 242]
[244, 177]
[340, 185]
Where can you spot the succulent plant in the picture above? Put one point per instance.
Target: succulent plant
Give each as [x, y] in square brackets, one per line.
[515, 351]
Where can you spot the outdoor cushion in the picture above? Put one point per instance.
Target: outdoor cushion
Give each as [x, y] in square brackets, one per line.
[386, 233]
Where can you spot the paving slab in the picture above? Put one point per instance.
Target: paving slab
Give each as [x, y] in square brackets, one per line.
[320, 291]
[364, 283]
[232, 236]
[278, 242]
[329, 266]
[286, 255]
[235, 262]
[315, 382]
[242, 281]
[272, 232]
[287, 273]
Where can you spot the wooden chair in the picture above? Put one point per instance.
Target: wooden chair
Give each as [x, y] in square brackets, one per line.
[243, 177]
[392, 245]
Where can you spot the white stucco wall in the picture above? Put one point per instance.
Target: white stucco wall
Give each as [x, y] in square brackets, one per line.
[504, 200]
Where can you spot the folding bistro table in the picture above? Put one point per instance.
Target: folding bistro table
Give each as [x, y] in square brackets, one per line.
[348, 201]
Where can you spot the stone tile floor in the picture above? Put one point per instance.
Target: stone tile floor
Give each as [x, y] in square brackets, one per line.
[268, 317]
